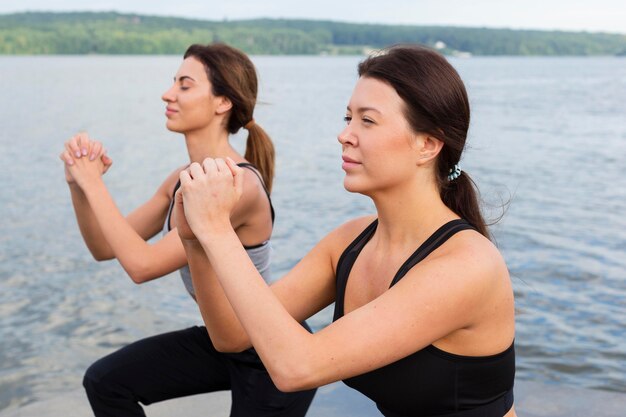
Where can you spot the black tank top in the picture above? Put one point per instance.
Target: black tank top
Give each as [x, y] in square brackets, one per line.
[431, 382]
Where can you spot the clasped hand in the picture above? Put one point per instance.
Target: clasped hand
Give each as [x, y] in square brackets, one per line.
[208, 194]
[84, 159]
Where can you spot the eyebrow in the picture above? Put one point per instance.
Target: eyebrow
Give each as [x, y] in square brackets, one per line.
[364, 109]
[183, 78]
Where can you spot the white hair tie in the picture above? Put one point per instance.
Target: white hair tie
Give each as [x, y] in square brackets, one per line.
[454, 172]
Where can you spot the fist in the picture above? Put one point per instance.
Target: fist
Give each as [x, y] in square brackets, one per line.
[210, 192]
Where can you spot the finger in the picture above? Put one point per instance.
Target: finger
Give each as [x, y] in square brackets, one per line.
[185, 178]
[67, 157]
[73, 146]
[232, 165]
[95, 150]
[83, 142]
[107, 163]
[178, 196]
[238, 175]
[221, 166]
[195, 170]
[209, 165]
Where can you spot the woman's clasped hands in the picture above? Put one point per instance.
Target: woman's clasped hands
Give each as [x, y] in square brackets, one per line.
[85, 159]
[207, 196]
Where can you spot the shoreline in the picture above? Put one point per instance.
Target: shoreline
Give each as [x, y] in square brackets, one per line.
[532, 399]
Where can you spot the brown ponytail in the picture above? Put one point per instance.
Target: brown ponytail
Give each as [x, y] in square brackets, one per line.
[260, 153]
[461, 196]
[233, 75]
[436, 103]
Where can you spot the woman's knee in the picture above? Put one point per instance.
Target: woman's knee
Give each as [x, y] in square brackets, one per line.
[98, 377]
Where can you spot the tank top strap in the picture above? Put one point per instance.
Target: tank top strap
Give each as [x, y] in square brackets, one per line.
[241, 164]
[345, 263]
[169, 211]
[437, 239]
[255, 170]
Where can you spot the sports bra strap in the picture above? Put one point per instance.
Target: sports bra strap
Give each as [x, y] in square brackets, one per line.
[256, 172]
[435, 240]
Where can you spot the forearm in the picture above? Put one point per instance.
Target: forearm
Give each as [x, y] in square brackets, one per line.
[283, 344]
[130, 249]
[225, 329]
[88, 225]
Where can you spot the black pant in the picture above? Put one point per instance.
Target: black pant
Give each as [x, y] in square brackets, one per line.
[182, 363]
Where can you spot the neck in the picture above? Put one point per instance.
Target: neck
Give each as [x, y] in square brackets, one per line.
[210, 142]
[410, 212]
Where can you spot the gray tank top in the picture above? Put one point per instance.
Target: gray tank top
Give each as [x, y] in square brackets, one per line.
[259, 254]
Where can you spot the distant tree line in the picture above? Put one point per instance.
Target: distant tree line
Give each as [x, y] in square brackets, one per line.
[115, 33]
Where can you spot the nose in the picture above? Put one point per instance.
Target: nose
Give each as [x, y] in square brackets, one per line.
[346, 136]
[168, 95]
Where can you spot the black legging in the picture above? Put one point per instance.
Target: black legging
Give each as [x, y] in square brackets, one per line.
[182, 363]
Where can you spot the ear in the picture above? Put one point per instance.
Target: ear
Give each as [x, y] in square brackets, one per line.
[428, 147]
[223, 105]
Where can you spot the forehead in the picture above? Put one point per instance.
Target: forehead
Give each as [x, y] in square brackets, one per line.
[370, 92]
[192, 67]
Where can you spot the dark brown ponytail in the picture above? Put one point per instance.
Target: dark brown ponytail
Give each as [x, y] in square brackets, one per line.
[436, 103]
[260, 152]
[233, 75]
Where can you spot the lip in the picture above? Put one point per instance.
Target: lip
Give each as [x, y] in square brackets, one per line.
[169, 111]
[348, 162]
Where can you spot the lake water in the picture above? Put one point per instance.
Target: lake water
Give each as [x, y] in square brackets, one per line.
[548, 134]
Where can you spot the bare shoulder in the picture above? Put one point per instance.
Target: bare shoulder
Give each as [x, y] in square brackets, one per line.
[475, 257]
[349, 230]
[472, 248]
[252, 190]
[338, 240]
[251, 181]
[167, 187]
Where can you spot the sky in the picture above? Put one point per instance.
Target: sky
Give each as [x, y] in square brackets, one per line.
[569, 15]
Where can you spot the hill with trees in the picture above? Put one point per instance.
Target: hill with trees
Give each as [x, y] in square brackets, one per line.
[115, 33]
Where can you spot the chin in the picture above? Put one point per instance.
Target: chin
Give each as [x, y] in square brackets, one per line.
[172, 127]
[353, 186]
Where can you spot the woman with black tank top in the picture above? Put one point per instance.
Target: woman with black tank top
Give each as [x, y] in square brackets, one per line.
[424, 310]
[213, 96]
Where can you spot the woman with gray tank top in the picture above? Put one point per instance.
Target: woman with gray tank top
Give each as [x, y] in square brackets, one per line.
[213, 95]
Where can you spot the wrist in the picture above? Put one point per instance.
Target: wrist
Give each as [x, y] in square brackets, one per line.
[92, 186]
[190, 242]
[73, 184]
[216, 233]
[75, 188]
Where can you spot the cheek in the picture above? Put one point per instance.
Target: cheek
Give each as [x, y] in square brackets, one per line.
[196, 105]
[391, 165]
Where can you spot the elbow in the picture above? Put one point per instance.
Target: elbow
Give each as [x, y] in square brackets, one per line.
[292, 383]
[298, 377]
[138, 278]
[101, 255]
[138, 273]
[230, 346]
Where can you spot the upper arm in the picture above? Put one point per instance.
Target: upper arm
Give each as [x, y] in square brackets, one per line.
[436, 298]
[148, 219]
[253, 197]
[163, 257]
[311, 284]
